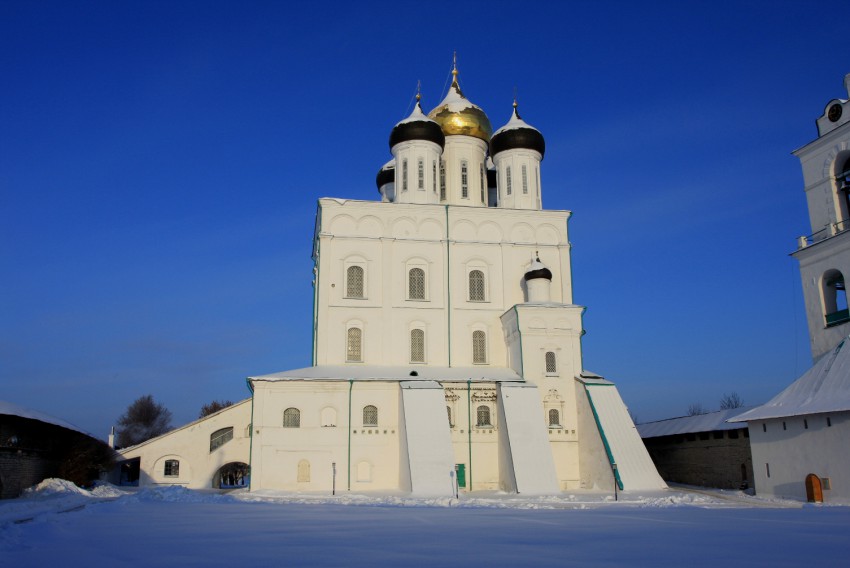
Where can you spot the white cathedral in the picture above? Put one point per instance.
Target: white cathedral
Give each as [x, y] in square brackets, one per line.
[446, 344]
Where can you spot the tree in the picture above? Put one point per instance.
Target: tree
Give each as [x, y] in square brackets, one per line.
[144, 419]
[214, 406]
[731, 400]
[696, 409]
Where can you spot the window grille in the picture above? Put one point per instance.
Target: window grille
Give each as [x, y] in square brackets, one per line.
[524, 179]
[551, 364]
[483, 416]
[172, 468]
[404, 174]
[220, 438]
[554, 417]
[479, 347]
[508, 175]
[354, 351]
[354, 282]
[416, 284]
[370, 415]
[476, 286]
[483, 184]
[434, 175]
[464, 180]
[417, 346]
[420, 167]
[442, 180]
[292, 418]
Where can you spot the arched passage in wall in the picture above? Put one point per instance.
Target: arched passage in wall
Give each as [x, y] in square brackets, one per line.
[232, 475]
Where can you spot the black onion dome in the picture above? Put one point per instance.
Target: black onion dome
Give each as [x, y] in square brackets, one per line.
[385, 175]
[517, 134]
[417, 126]
[538, 270]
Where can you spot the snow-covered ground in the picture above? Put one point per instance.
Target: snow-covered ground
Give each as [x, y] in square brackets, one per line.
[60, 524]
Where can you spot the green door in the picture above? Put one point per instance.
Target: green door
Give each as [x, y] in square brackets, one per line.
[460, 469]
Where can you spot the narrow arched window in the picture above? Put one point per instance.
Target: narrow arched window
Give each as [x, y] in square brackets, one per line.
[354, 278]
[449, 411]
[479, 347]
[476, 286]
[483, 185]
[434, 175]
[220, 438]
[420, 174]
[524, 179]
[172, 468]
[464, 180]
[417, 346]
[404, 174]
[354, 345]
[554, 417]
[370, 415]
[292, 418]
[303, 471]
[442, 180]
[508, 178]
[483, 416]
[551, 363]
[416, 284]
[834, 298]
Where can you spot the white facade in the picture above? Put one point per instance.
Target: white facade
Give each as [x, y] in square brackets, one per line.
[802, 432]
[446, 345]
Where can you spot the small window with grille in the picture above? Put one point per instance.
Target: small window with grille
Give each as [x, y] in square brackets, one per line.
[434, 175]
[172, 468]
[292, 418]
[524, 179]
[220, 438]
[354, 280]
[483, 416]
[508, 179]
[551, 363]
[476, 286]
[554, 418]
[464, 180]
[354, 345]
[479, 347]
[442, 180]
[417, 346]
[416, 284]
[370, 415]
[404, 174]
[420, 173]
[483, 185]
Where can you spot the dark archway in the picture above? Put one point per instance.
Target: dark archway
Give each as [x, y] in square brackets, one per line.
[232, 476]
[129, 472]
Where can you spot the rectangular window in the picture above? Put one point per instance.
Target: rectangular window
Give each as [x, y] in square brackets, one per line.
[733, 434]
[464, 180]
[404, 174]
[172, 468]
[434, 175]
[442, 180]
[420, 172]
[524, 180]
[508, 175]
[718, 435]
[483, 185]
[703, 435]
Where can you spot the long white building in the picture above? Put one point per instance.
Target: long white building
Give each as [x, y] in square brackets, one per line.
[446, 344]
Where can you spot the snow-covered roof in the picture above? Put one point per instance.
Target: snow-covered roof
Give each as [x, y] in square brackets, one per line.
[416, 116]
[514, 123]
[690, 424]
[823, 388]
[392, 373]
[15, 410]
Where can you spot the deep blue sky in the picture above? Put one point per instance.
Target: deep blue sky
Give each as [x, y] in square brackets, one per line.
[160, 164]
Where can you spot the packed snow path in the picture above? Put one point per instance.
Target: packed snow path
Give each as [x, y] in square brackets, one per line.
[173, 526]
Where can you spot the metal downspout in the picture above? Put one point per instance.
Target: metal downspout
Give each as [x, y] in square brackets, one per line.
[348, 466]
[469, 426]
[604, 439]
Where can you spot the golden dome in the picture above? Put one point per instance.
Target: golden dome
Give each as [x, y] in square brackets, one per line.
[456, 115]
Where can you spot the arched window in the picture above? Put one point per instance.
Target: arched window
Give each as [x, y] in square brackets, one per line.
[416, 284]
[479, 347]
[172, 468]
[483, 416]
[354, 345]
[842, 179]
[483, 185]
[551, 363]
[464, 180]
[476, 286]
[404, 174]
[292, 418]
[420, 174]
[370, 415]
[449, 411]
[834, 298]
[524, 179]
[354, 278]
[303, 471]
[442, 180]
[434, 175]
[554, 418]
[220, 438]
[417, 346]
[508, 178]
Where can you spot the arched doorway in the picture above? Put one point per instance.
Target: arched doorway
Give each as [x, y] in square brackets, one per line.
[814, 490]
[232, 475]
